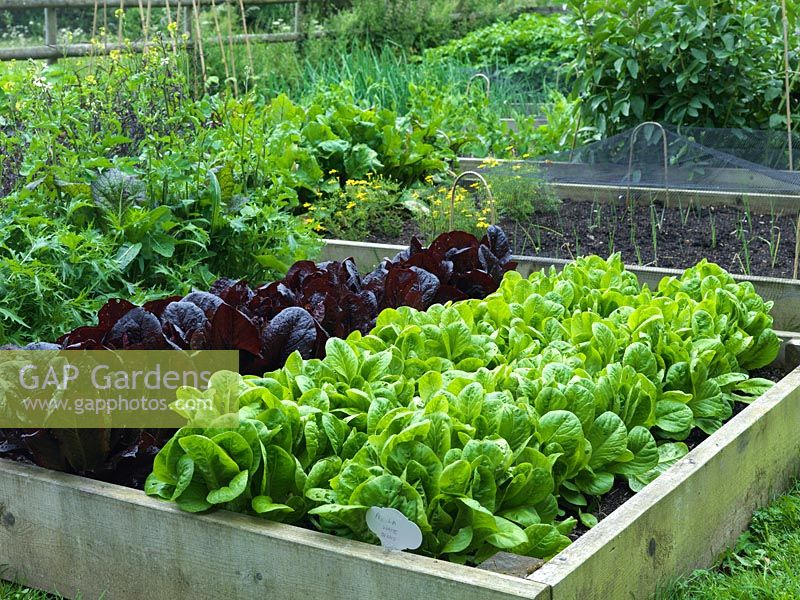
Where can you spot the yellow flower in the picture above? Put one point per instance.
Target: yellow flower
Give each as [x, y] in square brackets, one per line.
[90, 80]
[429, 179]
[8, 86]
[332, 172]
[350, 205]
[318, 227]
[172, 27]
[119, 12]
[307, 205]
[115, 55]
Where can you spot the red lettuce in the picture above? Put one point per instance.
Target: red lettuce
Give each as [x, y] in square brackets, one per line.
[312, 303]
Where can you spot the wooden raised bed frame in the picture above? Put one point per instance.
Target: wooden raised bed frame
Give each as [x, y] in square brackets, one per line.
[79, 537]
[76, 536]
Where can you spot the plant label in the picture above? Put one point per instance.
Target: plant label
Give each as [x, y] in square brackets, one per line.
[393, 529]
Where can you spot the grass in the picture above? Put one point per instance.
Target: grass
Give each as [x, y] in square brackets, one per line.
[15, 591]
[764, 563]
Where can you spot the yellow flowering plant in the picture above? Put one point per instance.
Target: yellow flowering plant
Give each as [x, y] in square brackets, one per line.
[360, 208]
[520, 189]
[432, 207]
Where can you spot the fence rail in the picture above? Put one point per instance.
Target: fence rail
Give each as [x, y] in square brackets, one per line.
[21, 4]
[51, 50]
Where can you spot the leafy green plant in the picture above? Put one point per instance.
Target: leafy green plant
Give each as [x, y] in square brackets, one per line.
[710, 64]
[437, 206]
[520, 191]
[532, 45]
[482, 420]
[412, 24]
[154, 192]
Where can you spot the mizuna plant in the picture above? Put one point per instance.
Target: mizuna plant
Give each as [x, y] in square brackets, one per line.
[483, 421]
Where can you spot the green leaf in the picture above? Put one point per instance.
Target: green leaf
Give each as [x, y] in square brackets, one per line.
[263, 505]
[127, 253]
[633, 67]
[673, 417]
[608, 437]
[668, 455]
[460, 541]
[341, 358]
[230, 492]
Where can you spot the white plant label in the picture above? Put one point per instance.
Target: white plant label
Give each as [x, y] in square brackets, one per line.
[393, 529]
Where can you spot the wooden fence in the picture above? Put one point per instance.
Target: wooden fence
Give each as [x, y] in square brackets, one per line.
[51, 50]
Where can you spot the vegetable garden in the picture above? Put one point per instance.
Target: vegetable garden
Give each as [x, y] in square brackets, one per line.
[428, 315]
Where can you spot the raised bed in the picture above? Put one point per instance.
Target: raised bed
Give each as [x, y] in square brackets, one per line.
[784, 292]
[76, 536]
[563, 178]
[85, 538]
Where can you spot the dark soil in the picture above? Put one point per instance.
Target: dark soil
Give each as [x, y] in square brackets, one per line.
[741, 241]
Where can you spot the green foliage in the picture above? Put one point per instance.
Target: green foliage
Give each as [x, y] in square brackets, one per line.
[709, 64]
[482, 420]
[520, 191]
[150, 192]
[532, 45]
[410, 24]
[763, 563]
[364, 207]
[434, 205]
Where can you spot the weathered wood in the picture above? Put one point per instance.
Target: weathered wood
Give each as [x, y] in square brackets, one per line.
[687, 517]
[300, 23]
[75, 50]
[18, 4]
[784, 292]
[84, 538]
[50, 30]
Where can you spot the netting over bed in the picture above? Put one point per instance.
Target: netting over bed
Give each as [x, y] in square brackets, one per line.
[728, 160]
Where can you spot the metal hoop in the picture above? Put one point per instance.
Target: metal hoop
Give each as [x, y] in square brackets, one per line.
[486, 186]
[630, 156]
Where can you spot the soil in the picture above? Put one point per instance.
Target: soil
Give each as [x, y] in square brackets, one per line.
[741, 241]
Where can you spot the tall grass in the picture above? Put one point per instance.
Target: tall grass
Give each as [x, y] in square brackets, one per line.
[383, 77]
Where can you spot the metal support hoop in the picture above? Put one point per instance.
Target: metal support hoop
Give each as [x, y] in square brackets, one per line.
[630, 157]
[486, 186]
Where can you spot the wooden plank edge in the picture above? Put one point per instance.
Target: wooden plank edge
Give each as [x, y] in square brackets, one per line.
[76, 536]
[690, 514]
[601, 192]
